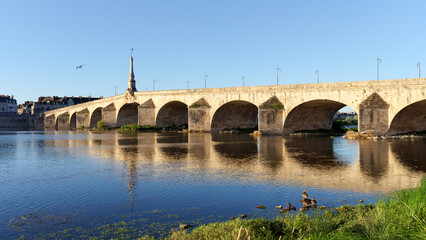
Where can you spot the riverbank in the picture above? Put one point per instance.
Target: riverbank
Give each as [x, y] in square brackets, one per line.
[399, 215]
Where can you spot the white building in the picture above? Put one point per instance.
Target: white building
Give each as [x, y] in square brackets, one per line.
[8, 104]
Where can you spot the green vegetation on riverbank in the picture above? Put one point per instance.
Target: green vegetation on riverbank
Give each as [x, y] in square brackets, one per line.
[399, 215]
[136, 128]
[101, 125]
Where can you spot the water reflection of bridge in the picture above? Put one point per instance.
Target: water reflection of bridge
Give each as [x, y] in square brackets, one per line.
[370, 165]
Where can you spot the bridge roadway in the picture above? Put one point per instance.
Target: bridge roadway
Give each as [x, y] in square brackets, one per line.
[385, 106]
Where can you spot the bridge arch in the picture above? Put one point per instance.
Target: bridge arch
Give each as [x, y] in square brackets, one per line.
[312, 115]
[95, 117]
[73, 121]
[172, 114]
[411, 118]
[235, 114]
[128, 114]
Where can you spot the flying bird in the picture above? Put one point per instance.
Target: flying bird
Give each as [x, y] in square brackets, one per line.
[79, 66]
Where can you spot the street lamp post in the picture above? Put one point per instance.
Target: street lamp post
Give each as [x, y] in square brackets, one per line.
[205, 80]
[278, 70]
[317, 73]
[379, 61]
[418, 66]
[242, 79]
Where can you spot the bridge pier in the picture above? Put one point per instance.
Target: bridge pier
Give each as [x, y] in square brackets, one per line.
[49, 122]
[271, 116]
[199, 116]
[373, 115]
[271, 121]
[64, 122]
[109, 116]
[146, 114]
[83, 119]
[199, 119]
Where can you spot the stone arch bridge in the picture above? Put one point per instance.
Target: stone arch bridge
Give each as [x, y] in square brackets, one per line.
[385, 106]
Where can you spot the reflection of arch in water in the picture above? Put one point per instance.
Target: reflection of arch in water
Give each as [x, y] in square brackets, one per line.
[312, 151]
[222, 138]
[173, 145]
[312, 115]
[172, 114]
[172, 138]
[412, 118]
[175, 152]
[411, 154]
[131, 141]
[238, 152]
[95, 117]
[128, 114]
[235, 149]
[235, 114]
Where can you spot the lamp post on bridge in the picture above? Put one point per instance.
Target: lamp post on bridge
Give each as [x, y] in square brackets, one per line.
[379, 61]
[317, 73]
[205, 80]
[278, 70]
[187, 85]
[418, 66]
[243, 79]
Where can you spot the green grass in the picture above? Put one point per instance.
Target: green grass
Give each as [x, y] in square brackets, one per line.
[399, 215]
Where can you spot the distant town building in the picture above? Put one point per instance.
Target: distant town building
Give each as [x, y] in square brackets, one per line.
[8, 104]
[25, 108]
[344, 115]
[44, 104]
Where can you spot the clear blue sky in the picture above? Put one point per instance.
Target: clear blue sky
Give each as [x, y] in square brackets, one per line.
[41, 43]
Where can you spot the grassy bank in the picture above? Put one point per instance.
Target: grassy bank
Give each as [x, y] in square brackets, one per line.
[399, 215]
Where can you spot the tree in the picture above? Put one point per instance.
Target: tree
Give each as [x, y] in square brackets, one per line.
[348, 120]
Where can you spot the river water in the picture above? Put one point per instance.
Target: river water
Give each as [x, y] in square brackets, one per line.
[50, 181]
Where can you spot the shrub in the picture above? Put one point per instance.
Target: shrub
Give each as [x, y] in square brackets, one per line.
[101, 125]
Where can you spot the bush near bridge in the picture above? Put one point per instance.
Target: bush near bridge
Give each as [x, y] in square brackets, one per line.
[101, 125]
